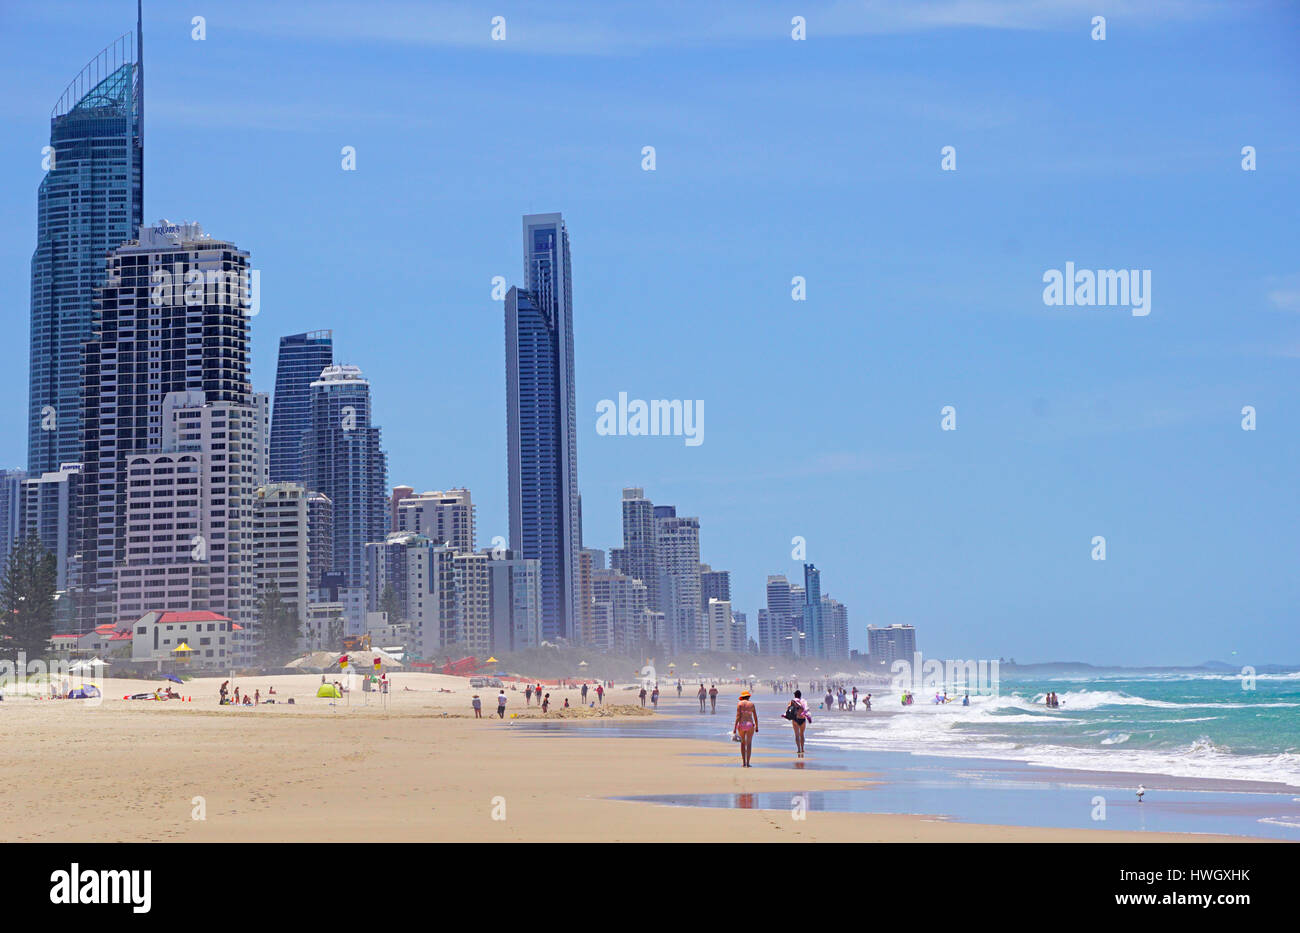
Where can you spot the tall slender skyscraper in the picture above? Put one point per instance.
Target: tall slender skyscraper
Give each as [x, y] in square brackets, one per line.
[813, 627]
[303, 357]
[541, 414]
[89, 202]
[342, 459]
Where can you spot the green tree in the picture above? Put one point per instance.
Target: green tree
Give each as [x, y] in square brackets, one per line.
[389, 603]
[334, 639]
[279, 623]
[27, 598]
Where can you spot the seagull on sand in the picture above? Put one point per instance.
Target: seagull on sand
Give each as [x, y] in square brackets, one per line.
[1141, 790]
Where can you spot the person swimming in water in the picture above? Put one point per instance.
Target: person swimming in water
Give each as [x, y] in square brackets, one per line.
[745, 726]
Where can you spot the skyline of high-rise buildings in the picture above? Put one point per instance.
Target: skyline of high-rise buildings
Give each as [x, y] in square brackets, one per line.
[161, 480]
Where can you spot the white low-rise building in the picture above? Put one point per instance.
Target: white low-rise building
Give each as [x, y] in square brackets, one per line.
[211, 638]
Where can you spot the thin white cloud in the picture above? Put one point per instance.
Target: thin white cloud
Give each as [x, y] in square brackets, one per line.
[578, 27]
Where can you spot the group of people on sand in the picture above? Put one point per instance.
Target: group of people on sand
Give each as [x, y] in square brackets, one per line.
[1052, 701]
[544, 699]
[745, 727]
[249, 699]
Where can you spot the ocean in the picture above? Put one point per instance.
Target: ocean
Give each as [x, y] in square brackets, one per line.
[1189, 725]
[1213, 756]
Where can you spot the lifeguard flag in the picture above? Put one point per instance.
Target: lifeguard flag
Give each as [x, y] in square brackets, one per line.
[343, 661]
[376, 664]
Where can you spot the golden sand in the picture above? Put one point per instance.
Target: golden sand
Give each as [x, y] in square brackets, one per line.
[416, 768]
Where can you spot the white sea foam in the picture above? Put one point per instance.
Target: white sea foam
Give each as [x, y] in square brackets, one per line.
[973, 732]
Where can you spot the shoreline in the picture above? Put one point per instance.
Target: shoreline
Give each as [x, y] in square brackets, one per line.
[148, 772]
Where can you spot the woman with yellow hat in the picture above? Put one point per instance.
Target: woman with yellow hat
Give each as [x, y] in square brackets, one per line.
[745, 726]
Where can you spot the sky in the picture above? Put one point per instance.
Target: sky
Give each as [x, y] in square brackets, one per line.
[776, 158]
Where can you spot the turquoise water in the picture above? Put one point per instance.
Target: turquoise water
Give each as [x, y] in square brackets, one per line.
[1210, 726]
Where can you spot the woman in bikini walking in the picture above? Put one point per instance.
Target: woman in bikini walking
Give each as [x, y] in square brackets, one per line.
[799, 715]
[745, 726]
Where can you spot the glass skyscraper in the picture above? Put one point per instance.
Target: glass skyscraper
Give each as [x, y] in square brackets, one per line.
[89, 202]
[303, 357]
[813, 625]
[342, 459]
[541, 413]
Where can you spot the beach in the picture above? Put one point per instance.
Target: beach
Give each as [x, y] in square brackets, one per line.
[419, 768]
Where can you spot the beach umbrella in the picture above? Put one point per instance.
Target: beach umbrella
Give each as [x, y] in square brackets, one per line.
[491, 661]
[582, 664]
[173, 678]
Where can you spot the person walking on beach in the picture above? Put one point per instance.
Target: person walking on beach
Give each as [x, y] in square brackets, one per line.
[643, 696]
[799, 715]
[829, 698]
[546, 703]
[501, 704]
[713, 696]
[745, 726]
[600, 694]
[654, 697]
[702, 696]
[478, 707]
[679, 688]
[528, 695]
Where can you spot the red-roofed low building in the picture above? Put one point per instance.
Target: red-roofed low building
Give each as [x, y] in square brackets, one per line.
[209, 635]
[100, 643]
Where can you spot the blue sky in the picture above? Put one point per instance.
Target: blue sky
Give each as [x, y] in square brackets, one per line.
[778, 158]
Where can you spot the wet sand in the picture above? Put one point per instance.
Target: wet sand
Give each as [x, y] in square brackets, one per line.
[420, 769]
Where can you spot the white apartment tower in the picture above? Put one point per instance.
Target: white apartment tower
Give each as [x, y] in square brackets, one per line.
[189, 514]
[446, 517]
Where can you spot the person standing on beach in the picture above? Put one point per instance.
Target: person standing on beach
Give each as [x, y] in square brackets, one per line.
[679, 688]
[528, 695]
[798, 714]
[702, 696]
[501, 704]
[829, 698]
[478, 707]
[600, 694]
[713, 696]
[745, 726]
[584, 693]
[654, 697]
[546, 703]
[643, 696]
